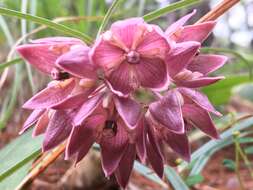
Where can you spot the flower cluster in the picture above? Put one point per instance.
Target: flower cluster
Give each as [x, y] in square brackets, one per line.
[93, 97]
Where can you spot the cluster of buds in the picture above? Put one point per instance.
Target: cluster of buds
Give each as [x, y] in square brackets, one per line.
[95, 93]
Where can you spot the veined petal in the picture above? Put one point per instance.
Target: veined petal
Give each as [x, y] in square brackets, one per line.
[167, 111]
[124, 170]
[178, 143]
[127, 30]
[123, 80]
[41, 125]
[51, 95]
[87, 108]
[154, 153]
[113, 148]
[129, 110]
[154, 43]
[141, 134]
[206, 64]
[58, 129]
[176, 26]
[42, 53]
[199, 99]
[151, 73]
[196, 32]
[200, 119]
[198, 82]
[180, 56]
[83, 136]
[106, 55]
[32, 119]
[77, 63]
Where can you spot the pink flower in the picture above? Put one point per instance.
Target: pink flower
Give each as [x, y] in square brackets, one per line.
[132, 54]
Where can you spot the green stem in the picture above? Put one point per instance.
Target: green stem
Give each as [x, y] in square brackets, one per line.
[107, 16]
[9, 63]
[171, 7]
[43, 21]
[232, 52]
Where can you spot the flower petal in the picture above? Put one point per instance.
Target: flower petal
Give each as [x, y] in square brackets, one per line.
[58, 129]
[141, 134]
[151, 73]
[83, 136]
[176, 26]
[167, 111]
[199, 99]
[154, 43]
[113, 148]
[51, 95]
[154, 153]
[180, 56]
[41, 125]
[76, 62]
[200, 119]
[87, 108]
[106, 55]
[123, 80]
[206, 64]
[179, 143]
[196, 32]
[42, 53]
[198, 82]
[124, 170]
[129, 110]
[32, 119]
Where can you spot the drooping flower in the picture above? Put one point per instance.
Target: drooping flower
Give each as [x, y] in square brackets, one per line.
[132, 55]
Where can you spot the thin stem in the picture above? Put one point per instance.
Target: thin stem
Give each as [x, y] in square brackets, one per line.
[9, 63]
[219, 10]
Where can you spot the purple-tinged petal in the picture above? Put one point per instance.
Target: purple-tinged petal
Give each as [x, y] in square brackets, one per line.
[87, 108]
[196, 32]
[58, 129]
[180, 56]
[154, 43]
[177, 26]
[83, 136]
[127, 31]
[51, 95]
[140, 141]
[167, 111]
[198, 98]
[32, 119]
[178, 143]
[154, 153]
[124, 170]
[76, 62]
[201, 119]
[198, 82]
[206, 64]
[42, 53]
[41, 125]
[123, 80]
[129, 110]
[151, 73]
[106, 55]
[113, 148]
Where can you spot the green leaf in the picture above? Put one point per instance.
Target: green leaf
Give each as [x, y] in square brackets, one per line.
[46, 22]
[244, 91]
[9, 63]
[245, 140]
[230, 164]
[249, 150]
[193, 180]
[171, 7]
[18, 153]
[175, 180]
[108, 15]
[220, 92]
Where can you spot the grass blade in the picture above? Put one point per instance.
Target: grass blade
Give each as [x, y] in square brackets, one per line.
[175, 180]
[9, 63]
[43, 21]
[171, 7]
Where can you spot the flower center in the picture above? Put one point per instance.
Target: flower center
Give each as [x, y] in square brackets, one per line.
[133, 57]
[56, 74]
[110, 129]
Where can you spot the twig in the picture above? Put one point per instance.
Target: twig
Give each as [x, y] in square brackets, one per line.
[42, 165]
